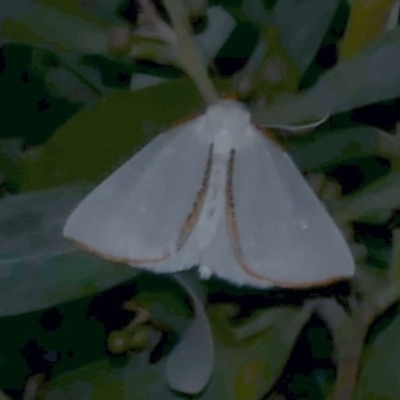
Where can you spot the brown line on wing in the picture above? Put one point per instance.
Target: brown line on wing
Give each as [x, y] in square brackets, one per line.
[194, 214]
[121, 260]
[235, 238]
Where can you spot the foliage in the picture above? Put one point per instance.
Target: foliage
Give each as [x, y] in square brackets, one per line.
[85, 84]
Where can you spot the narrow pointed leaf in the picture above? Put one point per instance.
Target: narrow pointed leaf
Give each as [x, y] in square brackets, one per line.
[303, 36]
[323, 149]
[368, 20]
[368, 77]
[58, 25]
[190, 363]
[129, 118]
[378, 378]
[375, 203]
[38, 267]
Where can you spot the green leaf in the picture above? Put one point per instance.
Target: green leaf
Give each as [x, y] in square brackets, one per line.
[369, 77]
[394, 268]
[310, 385]
[303, 36]
[260, 321]
[68, 76]
[101, 380]
[15, 9]
[97, 140]
[248, 369]
[378, 378]
[220, 25]
[38, 267]
[9, 153]
[64, 83]
[191, 361]
[3, 396]
[257, 12]
[322, 149]
[164, 299]
[373, 204]
[13, 366]
[367, 21]
[103, 9]
[59, 25]
[244, 370]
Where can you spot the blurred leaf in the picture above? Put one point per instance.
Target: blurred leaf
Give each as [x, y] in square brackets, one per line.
[38, 267]
[190, 363]
[164, 299]
[248, 369]
[311, 385]
[59, 25]
[322, 149]
[369, 77]
[299, 129]
[303, 36]
[89, 74]
[375, 203]
[242, 371]
[257, 12]
[220, 25]
[378, 378]
[98, 139]
[103, 9]
[393, 19]
[15, 9]
[64, 83]
[3, 396]
[147, 49]
[30, 344]
[41, 60]
[368, 20]
[260, 321]
[9, 154]
[368, 281]
[394, 268]
[278, 72]
[23, 92]
[101, 380]
[72, 76]
[15, 333]
[11, 148]
[141, 81]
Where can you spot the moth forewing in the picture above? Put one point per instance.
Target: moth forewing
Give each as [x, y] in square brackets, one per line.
[136, 215]
[286, 236]
[215, 193]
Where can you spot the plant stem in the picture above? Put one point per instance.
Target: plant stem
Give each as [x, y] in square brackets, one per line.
[32, 386]
[347, 373]
[348, 364]
[190, 57]
[348, 339]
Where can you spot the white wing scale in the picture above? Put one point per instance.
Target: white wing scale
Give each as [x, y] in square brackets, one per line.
[240, 209]
[285, 235]
[136, 214]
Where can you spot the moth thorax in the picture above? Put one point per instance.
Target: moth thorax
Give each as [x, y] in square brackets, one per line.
[223, 143]
[229, 115]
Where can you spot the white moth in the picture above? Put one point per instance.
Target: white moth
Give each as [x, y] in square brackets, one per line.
[217, 193]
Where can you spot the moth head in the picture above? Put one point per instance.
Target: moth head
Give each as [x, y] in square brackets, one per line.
[227, 115]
